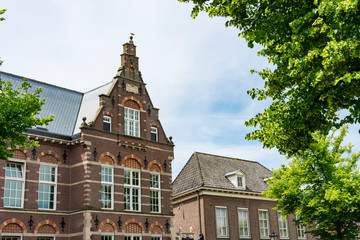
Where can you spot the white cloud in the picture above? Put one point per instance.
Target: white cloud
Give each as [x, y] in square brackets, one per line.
[197, 71]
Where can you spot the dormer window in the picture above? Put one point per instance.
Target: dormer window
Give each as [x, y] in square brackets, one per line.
[237, 178]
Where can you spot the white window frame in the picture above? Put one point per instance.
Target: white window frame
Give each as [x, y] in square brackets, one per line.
[247, 222]
[135, 132]
[107, 119]
[281, 228]
[111, 184]
[156, 236]
[12, 235]
[132, 236]
[49, 183]
[242, 186]
[23, 164]
[300, 228]
[266, 236]
[46, 236]
[226, 222]
[154, 130]
[131, 187]
[158, 190]
[107, 235]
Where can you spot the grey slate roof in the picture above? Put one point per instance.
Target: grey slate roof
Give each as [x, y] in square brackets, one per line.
[206, 170]
[68, 106]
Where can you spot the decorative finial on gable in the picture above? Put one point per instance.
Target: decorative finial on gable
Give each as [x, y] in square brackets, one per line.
[131, 37]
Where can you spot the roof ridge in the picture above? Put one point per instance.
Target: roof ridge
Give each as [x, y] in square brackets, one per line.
[199, 166]
[52, 85]
[100, 86]
[234, 158]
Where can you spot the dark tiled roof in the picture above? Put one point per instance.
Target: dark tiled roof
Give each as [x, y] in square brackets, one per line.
[206, 170]
[68, 106]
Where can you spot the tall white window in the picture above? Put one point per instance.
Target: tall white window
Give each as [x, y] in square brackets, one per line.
[107, 185]
[132, 190]
[107, 237]
[14, 184]
[10, 237]
[243, 216]
[301, 231]
[283, 226]
[221, 222]
[45, 238]
[107, 123]
[132, 122]
[47, 187]
[133, 237]
[155, 192]
[264, 223]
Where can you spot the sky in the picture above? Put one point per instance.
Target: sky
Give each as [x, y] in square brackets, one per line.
[197, 71]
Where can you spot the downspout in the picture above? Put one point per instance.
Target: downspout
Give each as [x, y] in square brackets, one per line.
[198, 200]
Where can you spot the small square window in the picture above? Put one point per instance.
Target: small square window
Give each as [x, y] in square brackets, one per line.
[154, 134]
[107, 123]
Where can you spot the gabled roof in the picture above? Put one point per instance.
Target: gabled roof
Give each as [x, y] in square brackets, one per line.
[68, 106]
[206, 170]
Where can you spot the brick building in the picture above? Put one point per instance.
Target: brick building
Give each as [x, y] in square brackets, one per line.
[223, 196]
[102, 170]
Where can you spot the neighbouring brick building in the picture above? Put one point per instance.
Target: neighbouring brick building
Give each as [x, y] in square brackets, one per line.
[227, 193]
[102, 170]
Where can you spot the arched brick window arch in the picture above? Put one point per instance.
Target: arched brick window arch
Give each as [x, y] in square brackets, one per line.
[46, 226]
[108, 226]
[155, 166]
[133, 226]
[49, 157]
[12, 226]
[21, 153]
[131, 161]
[156, 228]
[132, 102]
[107, 158]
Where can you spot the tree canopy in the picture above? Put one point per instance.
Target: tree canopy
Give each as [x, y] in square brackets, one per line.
[18, 110]
[314, 46]
[321, 185]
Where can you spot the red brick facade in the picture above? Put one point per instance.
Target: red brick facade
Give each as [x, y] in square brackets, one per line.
[78, 212]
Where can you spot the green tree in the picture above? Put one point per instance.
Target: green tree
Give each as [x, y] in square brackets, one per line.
[321, 185]
[314, 46]
[18, 110]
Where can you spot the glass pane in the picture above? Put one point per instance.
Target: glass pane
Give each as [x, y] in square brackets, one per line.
[127, 177]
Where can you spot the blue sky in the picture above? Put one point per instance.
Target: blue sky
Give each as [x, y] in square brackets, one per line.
[197, 71]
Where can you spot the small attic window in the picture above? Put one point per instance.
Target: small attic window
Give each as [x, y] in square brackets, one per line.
[107, 123]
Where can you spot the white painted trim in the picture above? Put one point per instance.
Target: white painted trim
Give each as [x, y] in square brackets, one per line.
[49, 183]
[268, 222]
[227, 222]
[248, 222]
[287, 225]
[23, 162]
